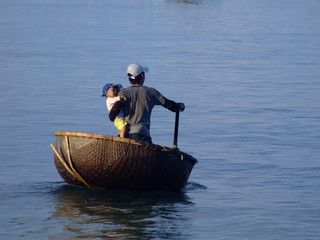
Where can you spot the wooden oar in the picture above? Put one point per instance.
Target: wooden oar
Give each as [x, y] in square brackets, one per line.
[176, 128]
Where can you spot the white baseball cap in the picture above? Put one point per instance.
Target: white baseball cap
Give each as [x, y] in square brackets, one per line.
[135, 69]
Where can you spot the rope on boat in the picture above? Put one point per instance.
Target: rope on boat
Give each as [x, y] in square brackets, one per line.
[72, 170]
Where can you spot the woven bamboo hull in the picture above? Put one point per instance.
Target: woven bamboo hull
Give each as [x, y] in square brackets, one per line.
[106, 162]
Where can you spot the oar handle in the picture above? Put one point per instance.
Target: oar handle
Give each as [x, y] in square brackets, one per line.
[176, 128]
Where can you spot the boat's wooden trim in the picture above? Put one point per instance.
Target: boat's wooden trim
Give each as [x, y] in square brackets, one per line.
[109, 138]
[154, 147]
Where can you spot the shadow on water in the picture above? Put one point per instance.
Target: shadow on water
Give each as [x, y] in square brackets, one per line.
[120, 214]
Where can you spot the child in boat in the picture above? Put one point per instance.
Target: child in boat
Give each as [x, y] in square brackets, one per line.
[111, 91]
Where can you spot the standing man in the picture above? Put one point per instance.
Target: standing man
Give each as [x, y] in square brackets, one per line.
[139, 103]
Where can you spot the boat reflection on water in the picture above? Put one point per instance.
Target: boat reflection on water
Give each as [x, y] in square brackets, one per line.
[93, 214]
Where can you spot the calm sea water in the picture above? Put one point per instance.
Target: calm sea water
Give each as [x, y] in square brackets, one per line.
[249, 74]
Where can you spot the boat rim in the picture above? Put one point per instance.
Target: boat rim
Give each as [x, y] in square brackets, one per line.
[174, 151]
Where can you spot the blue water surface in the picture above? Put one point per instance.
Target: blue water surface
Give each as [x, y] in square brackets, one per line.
[249, 74]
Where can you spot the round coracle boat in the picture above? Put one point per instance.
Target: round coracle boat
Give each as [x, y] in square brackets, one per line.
[107, 162]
